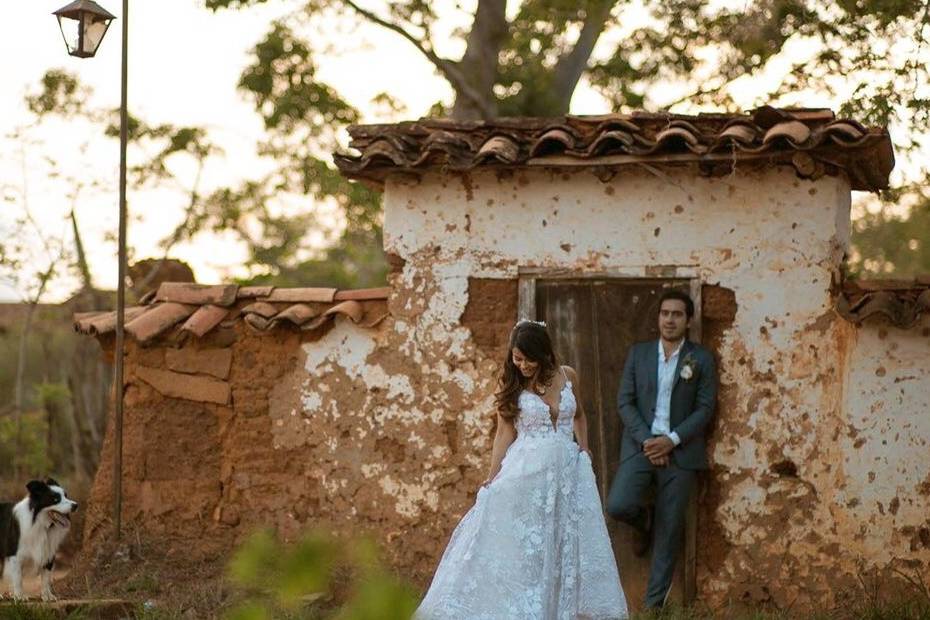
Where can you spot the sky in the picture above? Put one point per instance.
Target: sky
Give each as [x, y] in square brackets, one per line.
[184, 63]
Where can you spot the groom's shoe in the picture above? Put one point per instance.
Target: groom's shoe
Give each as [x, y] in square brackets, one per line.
[642, 538]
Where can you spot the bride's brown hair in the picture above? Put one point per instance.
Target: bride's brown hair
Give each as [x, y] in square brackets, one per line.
[533, 341]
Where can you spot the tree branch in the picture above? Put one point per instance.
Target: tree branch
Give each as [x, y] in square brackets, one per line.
[448, 68]
[699, 92]
[571, 66]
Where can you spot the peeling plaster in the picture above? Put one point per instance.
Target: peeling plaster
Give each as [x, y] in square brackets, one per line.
[819, 451]
[776, 242]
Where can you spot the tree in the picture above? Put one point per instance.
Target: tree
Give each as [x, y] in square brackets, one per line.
[866, 57]
[889, 243]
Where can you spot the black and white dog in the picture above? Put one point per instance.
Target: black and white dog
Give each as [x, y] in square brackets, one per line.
[31, 531]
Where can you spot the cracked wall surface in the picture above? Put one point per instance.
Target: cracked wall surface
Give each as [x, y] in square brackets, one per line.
[819, 459]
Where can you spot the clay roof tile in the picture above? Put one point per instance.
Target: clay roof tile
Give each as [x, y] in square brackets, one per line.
[190, 293]
[554, 140]
[765, 137]
[204, 319]
[158, 318]
[307, 308]
[498, 148]
[795, 132]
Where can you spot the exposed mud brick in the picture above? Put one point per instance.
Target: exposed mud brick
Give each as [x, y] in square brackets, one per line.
[189, 387]
[819, 466]
[153, 357]
[718, 304]
[179, 441]
[182, 507]
[490, 313]
[214, 362]
[219, 337]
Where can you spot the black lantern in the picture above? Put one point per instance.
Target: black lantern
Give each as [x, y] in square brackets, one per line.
[83, 24]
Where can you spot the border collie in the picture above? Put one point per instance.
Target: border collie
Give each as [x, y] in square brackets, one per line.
[31, 531]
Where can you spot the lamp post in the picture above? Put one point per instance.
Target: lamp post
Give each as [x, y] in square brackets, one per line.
[83, 24]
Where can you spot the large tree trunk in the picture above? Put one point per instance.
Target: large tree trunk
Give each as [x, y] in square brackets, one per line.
[479, 64]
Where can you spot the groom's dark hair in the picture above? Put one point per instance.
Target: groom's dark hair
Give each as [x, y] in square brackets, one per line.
[680, 296]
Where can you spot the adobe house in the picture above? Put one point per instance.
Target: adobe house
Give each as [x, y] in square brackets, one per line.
[372, 410]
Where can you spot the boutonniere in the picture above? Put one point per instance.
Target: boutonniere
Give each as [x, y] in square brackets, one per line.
[688, 366]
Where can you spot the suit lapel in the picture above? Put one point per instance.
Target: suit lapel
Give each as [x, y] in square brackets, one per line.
[685, 348]
[652, 364]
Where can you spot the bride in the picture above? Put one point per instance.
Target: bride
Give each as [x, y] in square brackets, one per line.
[534, 545]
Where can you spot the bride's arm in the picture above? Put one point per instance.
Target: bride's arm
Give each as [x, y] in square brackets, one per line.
[506, 433]
[580, 423]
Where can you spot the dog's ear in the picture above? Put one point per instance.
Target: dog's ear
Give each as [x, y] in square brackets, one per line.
[52, 482]
[36, 486]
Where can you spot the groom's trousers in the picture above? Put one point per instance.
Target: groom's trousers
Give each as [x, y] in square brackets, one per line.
[674, 486]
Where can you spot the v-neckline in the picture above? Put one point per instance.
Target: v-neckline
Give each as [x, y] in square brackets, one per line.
[554, 423]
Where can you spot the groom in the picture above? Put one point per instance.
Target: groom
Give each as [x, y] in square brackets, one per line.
[667, 397]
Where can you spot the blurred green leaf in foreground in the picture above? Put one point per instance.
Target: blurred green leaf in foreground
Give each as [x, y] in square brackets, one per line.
[315, 578]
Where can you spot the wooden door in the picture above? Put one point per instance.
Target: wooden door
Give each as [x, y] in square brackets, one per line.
[593, 323]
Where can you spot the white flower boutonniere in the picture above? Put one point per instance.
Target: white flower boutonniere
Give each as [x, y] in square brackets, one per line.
[687, 368]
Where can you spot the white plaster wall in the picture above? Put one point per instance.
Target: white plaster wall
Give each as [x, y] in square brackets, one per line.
[762, 231]
[777, 242]
[886, 446]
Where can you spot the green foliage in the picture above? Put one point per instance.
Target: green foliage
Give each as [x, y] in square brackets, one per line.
[282, 81]
[864, 54]
[52, 396]
[301, 581]
[32, 456]
[60, 93]
[303, 117]
[885, 243]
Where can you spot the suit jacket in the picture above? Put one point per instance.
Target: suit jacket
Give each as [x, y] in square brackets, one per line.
[692, 405]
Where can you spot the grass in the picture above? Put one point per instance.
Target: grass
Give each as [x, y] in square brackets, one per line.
[898, 610]
[911, 609]
[31, 611]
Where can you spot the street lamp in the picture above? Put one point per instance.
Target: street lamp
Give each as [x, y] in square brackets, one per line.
[83, 24]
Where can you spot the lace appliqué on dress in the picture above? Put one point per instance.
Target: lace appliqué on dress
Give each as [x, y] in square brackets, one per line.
[535, 545]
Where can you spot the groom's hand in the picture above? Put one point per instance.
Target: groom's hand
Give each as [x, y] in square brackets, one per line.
[661, 461]
[658, 447]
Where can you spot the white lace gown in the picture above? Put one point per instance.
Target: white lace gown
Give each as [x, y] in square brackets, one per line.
[535, 544]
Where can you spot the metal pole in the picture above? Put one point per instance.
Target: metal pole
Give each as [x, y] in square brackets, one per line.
[121, 287]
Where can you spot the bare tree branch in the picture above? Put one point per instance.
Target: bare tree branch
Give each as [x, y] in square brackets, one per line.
[177, 234]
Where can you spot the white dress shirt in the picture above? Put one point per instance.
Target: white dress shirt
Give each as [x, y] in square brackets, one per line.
[661, 424]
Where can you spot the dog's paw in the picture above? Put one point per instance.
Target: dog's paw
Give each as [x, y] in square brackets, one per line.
[48, 597]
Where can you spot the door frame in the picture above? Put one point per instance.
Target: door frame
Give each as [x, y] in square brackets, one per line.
[526, 309]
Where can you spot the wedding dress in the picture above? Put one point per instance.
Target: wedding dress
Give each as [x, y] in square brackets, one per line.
[535, 544]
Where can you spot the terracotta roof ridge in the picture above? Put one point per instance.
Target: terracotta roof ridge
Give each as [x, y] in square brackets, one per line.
[186, 308]
[901, 301]
[811, 140]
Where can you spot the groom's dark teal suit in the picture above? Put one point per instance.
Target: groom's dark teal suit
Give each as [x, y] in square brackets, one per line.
[691, 407]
